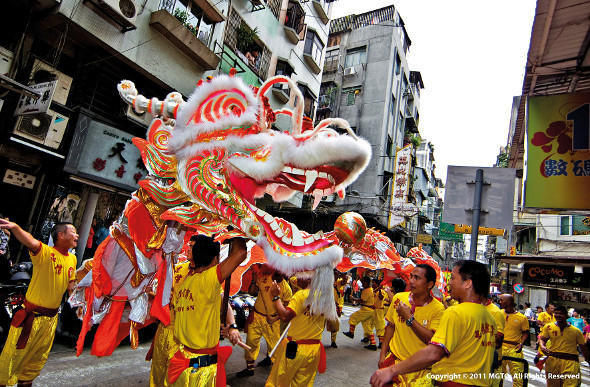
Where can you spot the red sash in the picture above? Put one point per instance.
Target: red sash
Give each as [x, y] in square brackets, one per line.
[179, 362]
[389, 361]
[322, 363]
[24, 318]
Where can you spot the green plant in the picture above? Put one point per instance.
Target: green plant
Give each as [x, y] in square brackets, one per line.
[245, 38]
[415, 142]
[181, 15]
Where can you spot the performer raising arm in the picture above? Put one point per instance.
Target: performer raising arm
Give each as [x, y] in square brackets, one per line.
[33, 328]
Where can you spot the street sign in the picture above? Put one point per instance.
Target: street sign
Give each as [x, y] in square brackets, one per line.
[28, 105]
[464, 229]
[447, 233]
[497, 196]
[518, 288]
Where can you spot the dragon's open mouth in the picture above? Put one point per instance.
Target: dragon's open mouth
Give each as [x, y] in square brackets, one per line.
[319, 182]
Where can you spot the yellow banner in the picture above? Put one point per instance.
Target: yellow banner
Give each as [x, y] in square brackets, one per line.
[464, 229]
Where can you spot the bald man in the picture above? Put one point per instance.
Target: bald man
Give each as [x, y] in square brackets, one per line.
[516, 333]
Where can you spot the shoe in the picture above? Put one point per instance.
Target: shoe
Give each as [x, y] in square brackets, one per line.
[372, 347]
[348, 334]
[379, 346]
[266, 362]
[365, 340]
[245, 372]
[333, 345]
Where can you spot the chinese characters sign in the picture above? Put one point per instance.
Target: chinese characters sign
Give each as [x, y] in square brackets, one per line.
[18, 178]
[557, 162]
[29, 105]
[401, 182]
[109, 156]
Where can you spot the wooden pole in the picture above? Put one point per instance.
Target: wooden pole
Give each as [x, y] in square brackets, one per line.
[226, 288]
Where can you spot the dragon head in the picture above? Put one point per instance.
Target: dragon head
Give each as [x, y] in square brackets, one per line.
[220, 154]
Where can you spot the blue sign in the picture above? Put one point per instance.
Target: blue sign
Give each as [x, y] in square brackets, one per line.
[518, 288]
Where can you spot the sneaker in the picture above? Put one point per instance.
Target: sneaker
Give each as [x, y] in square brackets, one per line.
[333, 345]
[348, 334]
[372, 347]
[266, 362]
[245, 372]
[365, 340]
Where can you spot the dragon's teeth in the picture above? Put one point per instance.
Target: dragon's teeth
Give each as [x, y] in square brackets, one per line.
[274, 225]
[288, 170]
[297, 171]
[279, 233]
[309, 240]
[310, 177]
[268, 218]
[323, 175]
[286, 240]
[316, 202]
[297, 237]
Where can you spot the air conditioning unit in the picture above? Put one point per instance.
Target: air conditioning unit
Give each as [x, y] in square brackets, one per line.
[349, 71]
[143, 118]
[122, 12]
[6, 58]
[44, 128]
[64, 82]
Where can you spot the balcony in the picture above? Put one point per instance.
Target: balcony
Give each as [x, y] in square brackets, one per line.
[294, 22]
[184, 39]
[321, 7]
[282, 92]
[331, 65]
[325, 103]
[235, 59]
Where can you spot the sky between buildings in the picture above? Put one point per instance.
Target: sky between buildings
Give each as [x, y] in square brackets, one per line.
[472, 57]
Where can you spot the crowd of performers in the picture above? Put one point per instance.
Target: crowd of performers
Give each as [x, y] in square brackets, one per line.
[460, 341]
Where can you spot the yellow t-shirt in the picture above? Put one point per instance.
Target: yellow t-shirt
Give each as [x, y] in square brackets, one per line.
[264, 303]
[180, 272]
[545, 318]
[367, 298]
[303, 325]
[52, 273]
[497, 315]
[385, 298]
[404, 342]
[467, 333]
[197, 305]
[339, 292]
[378, 302]
[294, 287]
[515, 324]
[565, 341]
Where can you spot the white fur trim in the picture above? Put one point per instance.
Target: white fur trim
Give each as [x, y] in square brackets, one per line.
[330, 256]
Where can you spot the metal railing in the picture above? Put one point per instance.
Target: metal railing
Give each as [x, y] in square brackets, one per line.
[525, 372]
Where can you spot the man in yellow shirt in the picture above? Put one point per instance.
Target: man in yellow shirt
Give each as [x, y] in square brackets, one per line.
[265, 320]
[562, 367]
[547, 316]
[197, 306]
[411, 322]
[365, 314]
[32, 328]
[333, 326]
[462, 348]
[516, 333]
[498, 316]
[301, 354]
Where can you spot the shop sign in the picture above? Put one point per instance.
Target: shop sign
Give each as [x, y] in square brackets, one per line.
[557, 162]
[465, 229]
[556, 276]
[424, 238]
[29, 105]
[21, 179]
[401, 183]
[108, 156]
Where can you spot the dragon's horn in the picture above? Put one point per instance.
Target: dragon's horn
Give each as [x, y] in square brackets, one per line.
[168, 108]
[296, 99]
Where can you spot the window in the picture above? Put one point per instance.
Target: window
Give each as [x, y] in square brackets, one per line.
[355, 57]
[295, 17]
[313, 46]
[350, 95]
[575, 225]
[194, 18]
[308, 100]
[392, 104]
[284, 68]
[331, 58]
[398, 65]
[334, 40]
